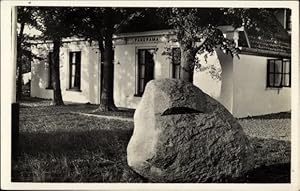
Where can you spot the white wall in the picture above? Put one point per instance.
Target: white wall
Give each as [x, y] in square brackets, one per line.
[90, 70]
[205, 79]
[241, 88]
[125, 70]
[219, 88]
[251, 96]
[39, 72]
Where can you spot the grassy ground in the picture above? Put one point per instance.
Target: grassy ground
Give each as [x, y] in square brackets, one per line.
[59, 146]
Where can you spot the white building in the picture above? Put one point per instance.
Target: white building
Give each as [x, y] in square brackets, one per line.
[256, 83]
[78, 60]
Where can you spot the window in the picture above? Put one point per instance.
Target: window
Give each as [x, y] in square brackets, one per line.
[145, 69]
[176, 63]
[50, 63]
[279, 73]
[74, 68]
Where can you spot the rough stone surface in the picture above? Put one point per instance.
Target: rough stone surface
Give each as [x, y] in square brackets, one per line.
[183, 135]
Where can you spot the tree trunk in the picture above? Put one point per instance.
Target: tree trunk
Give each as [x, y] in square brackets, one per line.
[57, 97]
[107, 88]
[187, 64]
[19, 63]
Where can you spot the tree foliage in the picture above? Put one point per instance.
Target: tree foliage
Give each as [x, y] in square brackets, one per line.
[198, 33]
[260, 21]
[25, 19]
[56, 23]
[100, 24]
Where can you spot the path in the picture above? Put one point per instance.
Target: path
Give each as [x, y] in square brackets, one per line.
[104, 116]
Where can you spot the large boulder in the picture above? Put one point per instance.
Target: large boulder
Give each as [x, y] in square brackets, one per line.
[183, 135]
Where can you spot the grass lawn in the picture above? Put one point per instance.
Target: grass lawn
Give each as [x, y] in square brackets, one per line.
[58, 144]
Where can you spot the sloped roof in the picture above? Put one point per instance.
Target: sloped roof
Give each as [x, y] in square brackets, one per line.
[276, 44]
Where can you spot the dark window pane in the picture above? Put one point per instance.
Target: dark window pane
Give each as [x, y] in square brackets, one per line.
[141, 85]
[176, 63]
[284, 67]
[145, 68]
[286, 73]
[287, 65]
[176, 55]
[149, 66]
[50, 63]
[271, 80]
[142, 71]
[278, 66]
[177, 72]
[271, 66]
[277, 81]
[141, 57]
[286, 80]
[75, 69]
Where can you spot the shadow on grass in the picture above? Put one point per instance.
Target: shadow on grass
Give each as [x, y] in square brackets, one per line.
[84, 156]
[280, 115]
[73, 142]
[33, 99]
[276, 173]
[272, 161]
[100, 156]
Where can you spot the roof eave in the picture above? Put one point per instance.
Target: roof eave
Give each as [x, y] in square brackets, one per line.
[261, 52]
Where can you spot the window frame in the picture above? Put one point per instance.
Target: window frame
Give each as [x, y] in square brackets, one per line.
[138, 92]
[283, 73]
